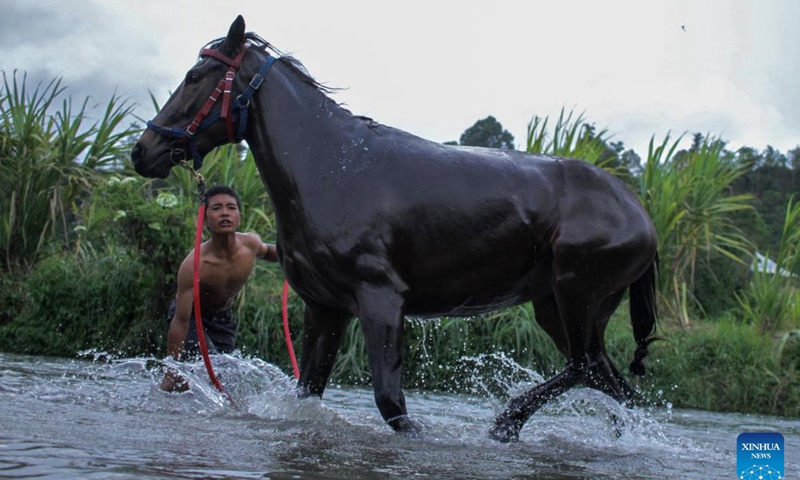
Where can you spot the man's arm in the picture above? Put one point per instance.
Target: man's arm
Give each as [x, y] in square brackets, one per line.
[264, 251]
[268, 252]
[179, 326]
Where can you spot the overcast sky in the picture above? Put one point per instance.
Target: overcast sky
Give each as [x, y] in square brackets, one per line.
[727, 68]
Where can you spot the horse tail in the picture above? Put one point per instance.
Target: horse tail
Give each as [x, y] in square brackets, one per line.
[644, 315]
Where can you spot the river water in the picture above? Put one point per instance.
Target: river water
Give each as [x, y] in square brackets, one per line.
[104, 418]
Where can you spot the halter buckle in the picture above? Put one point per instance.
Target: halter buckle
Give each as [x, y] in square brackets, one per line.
[256, 82]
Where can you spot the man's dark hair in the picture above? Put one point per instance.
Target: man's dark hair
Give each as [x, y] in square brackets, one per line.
[222, 190]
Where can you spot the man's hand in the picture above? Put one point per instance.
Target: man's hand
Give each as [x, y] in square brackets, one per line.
[173, 382]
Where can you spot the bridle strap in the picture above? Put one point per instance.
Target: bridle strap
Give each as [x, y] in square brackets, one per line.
[201, 115]
[228, 107]
[223, 87]
[231, 62]
[242, 102]
[225, 111]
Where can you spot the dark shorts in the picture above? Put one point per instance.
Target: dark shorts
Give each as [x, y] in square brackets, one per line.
[220, 330]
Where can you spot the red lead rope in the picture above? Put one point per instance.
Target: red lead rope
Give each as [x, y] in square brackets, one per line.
[198, 317]
[284, 311]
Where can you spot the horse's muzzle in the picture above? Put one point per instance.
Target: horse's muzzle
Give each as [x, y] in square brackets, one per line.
[142, 166]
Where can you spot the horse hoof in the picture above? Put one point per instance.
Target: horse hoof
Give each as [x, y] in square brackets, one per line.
[403, 424]
[618, 423]
[504, 433]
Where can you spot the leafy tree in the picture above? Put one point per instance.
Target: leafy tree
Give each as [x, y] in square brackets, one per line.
[487, 133]
[773, 158]
[771, 178]
[631, 161]
[794, 158]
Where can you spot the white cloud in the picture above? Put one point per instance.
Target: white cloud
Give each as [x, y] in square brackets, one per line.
[433, 68]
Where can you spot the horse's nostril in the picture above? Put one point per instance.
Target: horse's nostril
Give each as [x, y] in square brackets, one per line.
[137, 153]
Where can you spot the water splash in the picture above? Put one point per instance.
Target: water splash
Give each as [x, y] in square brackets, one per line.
[495, 375]
[106, 417]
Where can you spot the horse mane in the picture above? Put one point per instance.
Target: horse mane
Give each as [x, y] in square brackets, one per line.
[254, 40]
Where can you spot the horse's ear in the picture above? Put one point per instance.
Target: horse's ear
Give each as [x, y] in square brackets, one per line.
[235, 37]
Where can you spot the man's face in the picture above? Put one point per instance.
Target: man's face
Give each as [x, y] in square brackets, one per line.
[222, 214]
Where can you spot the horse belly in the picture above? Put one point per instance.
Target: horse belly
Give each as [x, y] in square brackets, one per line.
[474, 296]
[452, 306]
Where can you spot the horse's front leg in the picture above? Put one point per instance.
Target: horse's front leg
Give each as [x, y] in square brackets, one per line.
[381, 317]
[323, 329]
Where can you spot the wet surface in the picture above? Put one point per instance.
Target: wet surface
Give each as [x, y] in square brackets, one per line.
[107, 419]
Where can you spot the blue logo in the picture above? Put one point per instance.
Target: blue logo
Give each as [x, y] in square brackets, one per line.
[759, 456]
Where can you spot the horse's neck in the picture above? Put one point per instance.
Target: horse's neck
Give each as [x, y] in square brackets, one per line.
[293, 128]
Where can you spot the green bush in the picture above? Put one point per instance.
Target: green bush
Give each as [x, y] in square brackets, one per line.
[725, 366]
[125, 213]
[75, 304]
[12, 298]
[718, 281]
[111, 291]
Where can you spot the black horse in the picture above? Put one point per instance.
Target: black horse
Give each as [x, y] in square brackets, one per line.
[376, 223]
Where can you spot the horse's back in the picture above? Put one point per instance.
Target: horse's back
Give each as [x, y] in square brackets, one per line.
[477, 230]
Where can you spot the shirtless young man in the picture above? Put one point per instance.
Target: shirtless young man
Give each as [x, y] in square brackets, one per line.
[226, 260]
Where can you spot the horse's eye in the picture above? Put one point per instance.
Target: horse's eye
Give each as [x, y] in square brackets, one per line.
[192, 77]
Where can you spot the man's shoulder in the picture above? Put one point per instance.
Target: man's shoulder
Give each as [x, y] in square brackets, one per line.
[251, 241]
[249, 238]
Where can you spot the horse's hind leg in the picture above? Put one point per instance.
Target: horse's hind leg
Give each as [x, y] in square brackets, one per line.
[578, 307]
[547, 316]
[608, 379]
[322, 331]
[508, 424]
[601, 372]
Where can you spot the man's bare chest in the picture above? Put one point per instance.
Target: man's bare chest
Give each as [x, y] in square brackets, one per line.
[223, 279]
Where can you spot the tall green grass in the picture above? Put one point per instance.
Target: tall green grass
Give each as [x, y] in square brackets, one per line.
[726, 366]
[687, 196]
[772, 300]
[50, 158]
[570, 137]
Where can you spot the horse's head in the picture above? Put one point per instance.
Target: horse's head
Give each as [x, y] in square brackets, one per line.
[209, 108]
